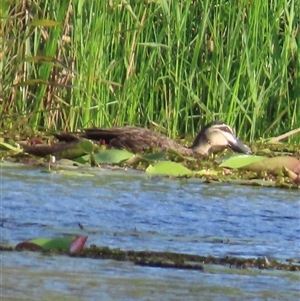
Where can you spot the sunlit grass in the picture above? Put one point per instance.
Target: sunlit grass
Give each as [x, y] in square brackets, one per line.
[175, 63]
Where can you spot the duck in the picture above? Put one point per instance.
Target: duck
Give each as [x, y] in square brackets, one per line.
[216, 135]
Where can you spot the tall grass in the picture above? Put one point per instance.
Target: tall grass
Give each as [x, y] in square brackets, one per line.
[175, 63]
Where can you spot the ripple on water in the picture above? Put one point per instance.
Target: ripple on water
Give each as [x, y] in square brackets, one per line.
[141, 213]
[152, 213]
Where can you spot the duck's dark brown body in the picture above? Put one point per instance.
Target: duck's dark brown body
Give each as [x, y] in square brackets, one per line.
[134, 139]
[214, 135]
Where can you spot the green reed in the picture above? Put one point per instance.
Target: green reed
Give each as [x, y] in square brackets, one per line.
[175, 63]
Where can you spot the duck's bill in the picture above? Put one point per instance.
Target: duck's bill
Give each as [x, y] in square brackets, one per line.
[239, 147]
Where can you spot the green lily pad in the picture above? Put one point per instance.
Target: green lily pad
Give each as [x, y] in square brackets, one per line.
[168, 168]
[82, 160]
[64, 244]
[112, 156]
[240, 161]
[86, 146]
[153, 156]
[60, 243]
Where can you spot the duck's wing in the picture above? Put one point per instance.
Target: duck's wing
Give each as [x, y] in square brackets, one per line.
[132, 138]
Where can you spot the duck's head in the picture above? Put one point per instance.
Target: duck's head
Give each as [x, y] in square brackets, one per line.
[216, 135]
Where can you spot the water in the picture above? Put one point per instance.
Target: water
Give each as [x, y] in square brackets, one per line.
[133, 211]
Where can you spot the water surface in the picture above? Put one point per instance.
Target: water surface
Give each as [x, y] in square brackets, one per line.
[133, 211]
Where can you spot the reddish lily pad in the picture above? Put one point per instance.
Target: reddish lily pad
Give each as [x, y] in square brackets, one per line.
[78, 243]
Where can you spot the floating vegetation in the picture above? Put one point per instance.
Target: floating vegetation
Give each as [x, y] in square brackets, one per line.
[161, 259]
[268, 167]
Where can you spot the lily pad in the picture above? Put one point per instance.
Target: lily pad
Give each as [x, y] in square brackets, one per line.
[86, 146]
[260, 163]
[240, 161]
[78, 243]
[112, 156]
[82, 160]
[70, 243]
[275, 164]
[168, 168]
[153, 156]
[60, 243]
